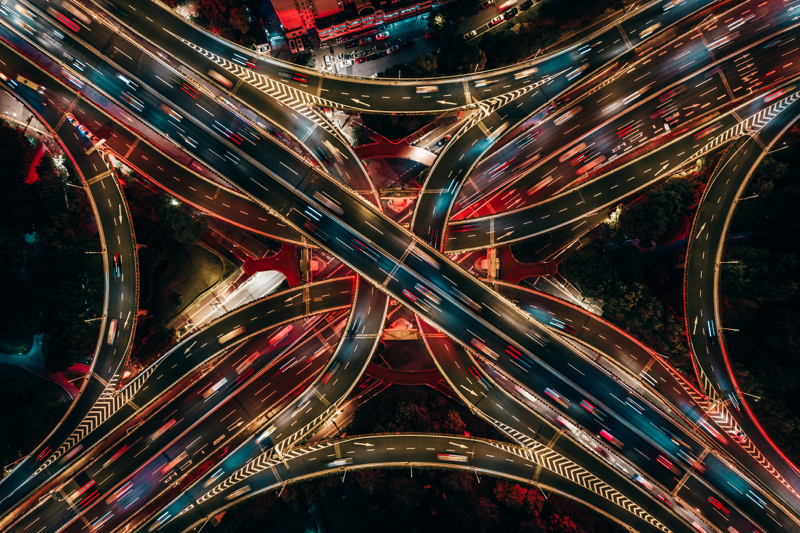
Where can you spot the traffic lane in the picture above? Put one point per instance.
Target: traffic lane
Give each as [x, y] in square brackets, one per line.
[160, 27]
[352, 356]
[540, 378]
[203, 346]
[711, 355]
[402, 450]
[571, 206]
[437, 181]
[705, 242]
[156, 434]
[209, 432]
[529, 181]
[169, 174]
[125, 53]
[323, 296]
[49, 108]
[695, 493]
[153, 21]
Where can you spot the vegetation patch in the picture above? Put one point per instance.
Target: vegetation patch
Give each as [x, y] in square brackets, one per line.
[48, 281]
[761, 295]
[38, 406]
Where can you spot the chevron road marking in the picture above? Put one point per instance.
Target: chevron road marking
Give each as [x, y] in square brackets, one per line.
[109, 402]
[752, 124]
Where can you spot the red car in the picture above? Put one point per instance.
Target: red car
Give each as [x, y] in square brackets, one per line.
[382, 35]
[486, 4]
[431, 34]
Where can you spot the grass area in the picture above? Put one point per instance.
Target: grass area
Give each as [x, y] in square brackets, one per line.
[38, 406]
[16, 345]
[191, 270]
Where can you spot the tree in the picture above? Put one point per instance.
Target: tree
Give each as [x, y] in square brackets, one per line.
[305, 59]
[359, 136]
[240, 19]
[592, 274]
[155, 341]
[660, 210]
[183, 226]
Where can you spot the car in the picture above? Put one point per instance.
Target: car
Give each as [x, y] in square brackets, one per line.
[362, 59]
[292, 46]
[71, 119]
[663, 499]
[601, 451]
[300, 47]
[497, 20]
[393, 49]
[453, 22]
[738, 435]
[328, 61]
[346, 63]
[382, 35]
[486, 4]
[351, 44]
[526, 5]
[470, 35]
[365, 40]
[84, 130]
[431, 34]
[444, 140]
[511, 13]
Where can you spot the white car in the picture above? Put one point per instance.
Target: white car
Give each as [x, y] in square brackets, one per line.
[495, 21]
[382, 35]
[346, 63]
[470, 35]
[393, 49]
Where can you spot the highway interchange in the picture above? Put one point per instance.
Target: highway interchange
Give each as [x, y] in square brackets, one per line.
[512, 341]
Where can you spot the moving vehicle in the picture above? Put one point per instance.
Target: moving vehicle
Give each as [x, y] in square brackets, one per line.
[539, 186]
[382, 35]
[716, 503]
[160, 431]
[112, 331]
[483, 348]
[71, 119]
[525, 73]
[222, 339]
[711, 332]
[214, 388]
[642, 481]
[424, 89]
[238, 492]
[172, 464]
[220, 78]
[117, 263]
[451, 457]
[327, 202]
[557, 397]
[611, 438]
[280, 334]
[341, 462]
[241, 367]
